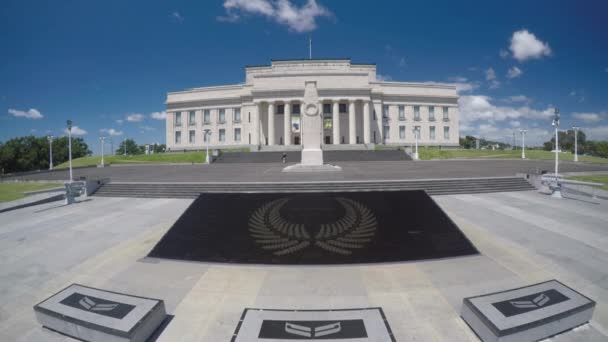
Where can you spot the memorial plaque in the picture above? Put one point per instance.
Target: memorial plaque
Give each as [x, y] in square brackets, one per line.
[92, 314]
[354, 325]
[313, 228]
[528, 313]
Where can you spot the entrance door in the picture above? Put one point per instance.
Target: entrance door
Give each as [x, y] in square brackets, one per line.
[327, 140]
[296, 140]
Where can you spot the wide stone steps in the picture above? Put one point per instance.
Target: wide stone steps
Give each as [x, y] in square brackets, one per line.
[328, 156]
[433, 187]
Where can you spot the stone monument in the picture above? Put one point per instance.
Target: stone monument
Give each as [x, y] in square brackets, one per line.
[312, 129]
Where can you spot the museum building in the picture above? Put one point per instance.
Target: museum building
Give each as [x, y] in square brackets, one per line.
[359, 111]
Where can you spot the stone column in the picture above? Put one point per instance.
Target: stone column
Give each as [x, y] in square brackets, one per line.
[270, 123]
[255, 124]
[366, 122]
[352, 124]
[336, 122]
[287, 124]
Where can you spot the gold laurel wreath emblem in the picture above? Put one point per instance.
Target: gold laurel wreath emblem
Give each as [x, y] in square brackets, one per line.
[272, 232]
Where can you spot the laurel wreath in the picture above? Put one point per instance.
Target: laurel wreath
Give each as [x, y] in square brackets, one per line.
[272, 232]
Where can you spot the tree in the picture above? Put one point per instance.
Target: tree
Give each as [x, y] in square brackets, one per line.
[566, 141]
[32, 153]
[132, 147]
[468, 142]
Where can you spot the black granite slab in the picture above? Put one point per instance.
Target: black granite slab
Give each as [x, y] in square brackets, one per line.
[313, 228]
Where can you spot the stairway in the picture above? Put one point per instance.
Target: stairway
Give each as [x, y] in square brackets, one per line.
[432, 187]
[328, 156]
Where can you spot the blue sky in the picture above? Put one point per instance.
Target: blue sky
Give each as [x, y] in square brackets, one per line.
[107, 65]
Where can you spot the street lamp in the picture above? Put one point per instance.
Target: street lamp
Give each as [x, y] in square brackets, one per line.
[50, 139]
[575, 143]
[125, 143]
[523, 143]
[103, 140]
[69, 123]
[207, 135]
[557, 189]
[416, 131]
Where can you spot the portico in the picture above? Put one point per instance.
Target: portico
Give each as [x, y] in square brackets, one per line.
[357, 110]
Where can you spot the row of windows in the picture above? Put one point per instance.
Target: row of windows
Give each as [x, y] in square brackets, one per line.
[221, 136]
[446, 132]
[431, 117]
[221, 116]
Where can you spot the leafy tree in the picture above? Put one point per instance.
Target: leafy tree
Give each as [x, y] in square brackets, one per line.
[132, 147]
[468, 142]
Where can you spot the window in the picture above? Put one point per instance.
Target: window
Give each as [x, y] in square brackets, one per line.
[205, 137]
[192, 118]
[417, 113]
[446, 133]
[342, 108]
[386, 132]
[431, 113]
[281, 109]
[417, 131]
[222, 136]
[222, 116]
[385, 111]
[374, 116]
[237, 134]
[191, 137]
[327, 123]
[327, 108]
[206, 117]
[432, 132]
[295, 108]
[237, 115]
[402, 113]
[401, 132]
[178, 137]
[178, 119]
[446, 116]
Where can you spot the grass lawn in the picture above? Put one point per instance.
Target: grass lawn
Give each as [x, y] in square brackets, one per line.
[592, 178]
[427, 153]
[187, 157]
[12, 191]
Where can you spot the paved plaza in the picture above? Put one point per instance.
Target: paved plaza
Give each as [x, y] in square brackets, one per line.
[353, 170]
[522, 237]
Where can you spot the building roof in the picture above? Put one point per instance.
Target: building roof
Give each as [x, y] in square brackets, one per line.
[306, 60]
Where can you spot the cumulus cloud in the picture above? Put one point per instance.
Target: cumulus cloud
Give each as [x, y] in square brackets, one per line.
[135, 117]
[589, 117]
[296, 18]
[383, 78]
[111, 132]
[514, 72]
[76, 131]
[30, 114]
[518, 98]
[596, 132]
[491, 78]
[479, 108]
[159, 115]
[525, 45]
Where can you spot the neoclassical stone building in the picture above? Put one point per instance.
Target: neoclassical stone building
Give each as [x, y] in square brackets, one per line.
[264, 113]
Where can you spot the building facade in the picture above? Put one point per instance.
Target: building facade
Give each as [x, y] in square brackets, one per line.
[358, 110]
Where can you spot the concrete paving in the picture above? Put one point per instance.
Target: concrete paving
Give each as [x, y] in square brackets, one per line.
[523, 237]
[258, 172]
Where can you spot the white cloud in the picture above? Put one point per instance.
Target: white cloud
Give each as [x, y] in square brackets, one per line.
[596, 132]
[525, 45]
[159, 115]
[491, 78]
[30, 114]
[383, 78]
[590, 117]
[515, 123]
[135, 117]
[177, 17]
[461, 87]
[111, 132]
[146, 128]
[503, 53]
[514, 72]
[76, 131]
[296, 18]
[479, 108]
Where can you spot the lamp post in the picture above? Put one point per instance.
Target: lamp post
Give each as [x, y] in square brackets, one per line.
[103, 140]
[523, 143]
[556, 188]
[125, 143]
[416, 130]
[50, 139]
[69, 122]
[575, 143]
[207, 134]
